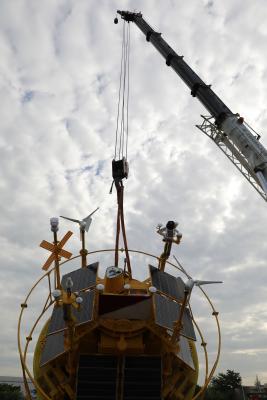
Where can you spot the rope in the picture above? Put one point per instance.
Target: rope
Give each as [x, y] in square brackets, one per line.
[116, 262]
[128, 262]
[121, 224]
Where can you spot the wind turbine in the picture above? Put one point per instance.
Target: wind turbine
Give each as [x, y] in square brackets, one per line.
[190, 283]
[84, 226]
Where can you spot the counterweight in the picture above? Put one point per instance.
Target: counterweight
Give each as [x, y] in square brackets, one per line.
[227, 130]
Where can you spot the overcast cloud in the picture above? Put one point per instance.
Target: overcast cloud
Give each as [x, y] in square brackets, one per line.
[59, 77]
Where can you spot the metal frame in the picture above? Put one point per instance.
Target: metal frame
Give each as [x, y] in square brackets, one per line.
[231, 151]
[49, 302]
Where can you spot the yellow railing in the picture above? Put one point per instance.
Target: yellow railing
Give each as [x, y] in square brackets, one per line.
[49, 301]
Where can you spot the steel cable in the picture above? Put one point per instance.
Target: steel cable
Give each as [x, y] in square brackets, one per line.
[122, 122]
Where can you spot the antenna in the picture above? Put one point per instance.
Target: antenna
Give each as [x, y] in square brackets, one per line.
[84, 226]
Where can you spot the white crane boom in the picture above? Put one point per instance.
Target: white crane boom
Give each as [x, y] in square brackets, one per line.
[228, 130]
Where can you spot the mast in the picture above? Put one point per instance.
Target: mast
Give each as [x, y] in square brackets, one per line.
[240, 144]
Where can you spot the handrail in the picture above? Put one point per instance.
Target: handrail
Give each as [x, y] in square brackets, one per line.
[47, 305]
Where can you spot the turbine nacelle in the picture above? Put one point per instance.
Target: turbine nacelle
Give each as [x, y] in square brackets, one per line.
[192, 282]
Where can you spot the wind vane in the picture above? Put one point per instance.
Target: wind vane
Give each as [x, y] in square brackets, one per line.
[56, 248]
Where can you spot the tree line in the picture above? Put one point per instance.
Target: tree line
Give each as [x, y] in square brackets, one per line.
[10, 392]
[222, 386]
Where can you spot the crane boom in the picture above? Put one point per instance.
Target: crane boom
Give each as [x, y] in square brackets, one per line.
[228, 130]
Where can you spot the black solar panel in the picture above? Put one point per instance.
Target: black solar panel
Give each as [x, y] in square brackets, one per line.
[85, 313]
[82, 278]
[97, 377]
[142, 378]
[167, 312]
[102, 377]
[185, 353]
[54, 346]
[167, 283]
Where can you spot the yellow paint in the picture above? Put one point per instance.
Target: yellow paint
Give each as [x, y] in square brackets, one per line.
[114, 285]
[119, 337]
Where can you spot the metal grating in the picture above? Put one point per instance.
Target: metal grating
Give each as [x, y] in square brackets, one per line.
[167, 312]
[82, 278]
[142, 378]
[97, 377]
[167, 283]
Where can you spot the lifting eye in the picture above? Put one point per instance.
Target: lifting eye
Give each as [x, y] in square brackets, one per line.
[111, 272]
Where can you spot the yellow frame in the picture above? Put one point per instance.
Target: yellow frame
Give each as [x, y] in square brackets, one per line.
[47, 305]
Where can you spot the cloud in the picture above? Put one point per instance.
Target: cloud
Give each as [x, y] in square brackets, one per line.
[59, 88]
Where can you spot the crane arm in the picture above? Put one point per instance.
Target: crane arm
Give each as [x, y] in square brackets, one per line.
[229, 131]
[198, 88]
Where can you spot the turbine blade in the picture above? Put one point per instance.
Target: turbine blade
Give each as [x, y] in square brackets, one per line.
[70, 219]
[88, 220]
[92, 213]
[199, 283]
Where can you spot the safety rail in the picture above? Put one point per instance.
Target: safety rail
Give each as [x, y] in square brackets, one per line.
[23, 349]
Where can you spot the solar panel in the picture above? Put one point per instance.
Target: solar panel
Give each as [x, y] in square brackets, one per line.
[97, 377]
[185, 352]
[87, 307]
[167, 283]
[102, 377]
[81, 316]
[142, 378]
[167, 312]
[54, 346]
[82, 278]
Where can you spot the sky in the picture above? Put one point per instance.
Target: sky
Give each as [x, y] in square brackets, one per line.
[59, 82]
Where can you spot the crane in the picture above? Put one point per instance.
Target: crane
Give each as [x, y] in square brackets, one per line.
[228, 130]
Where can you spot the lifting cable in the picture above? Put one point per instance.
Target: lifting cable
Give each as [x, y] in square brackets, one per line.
[122, 123]
[119, 163]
